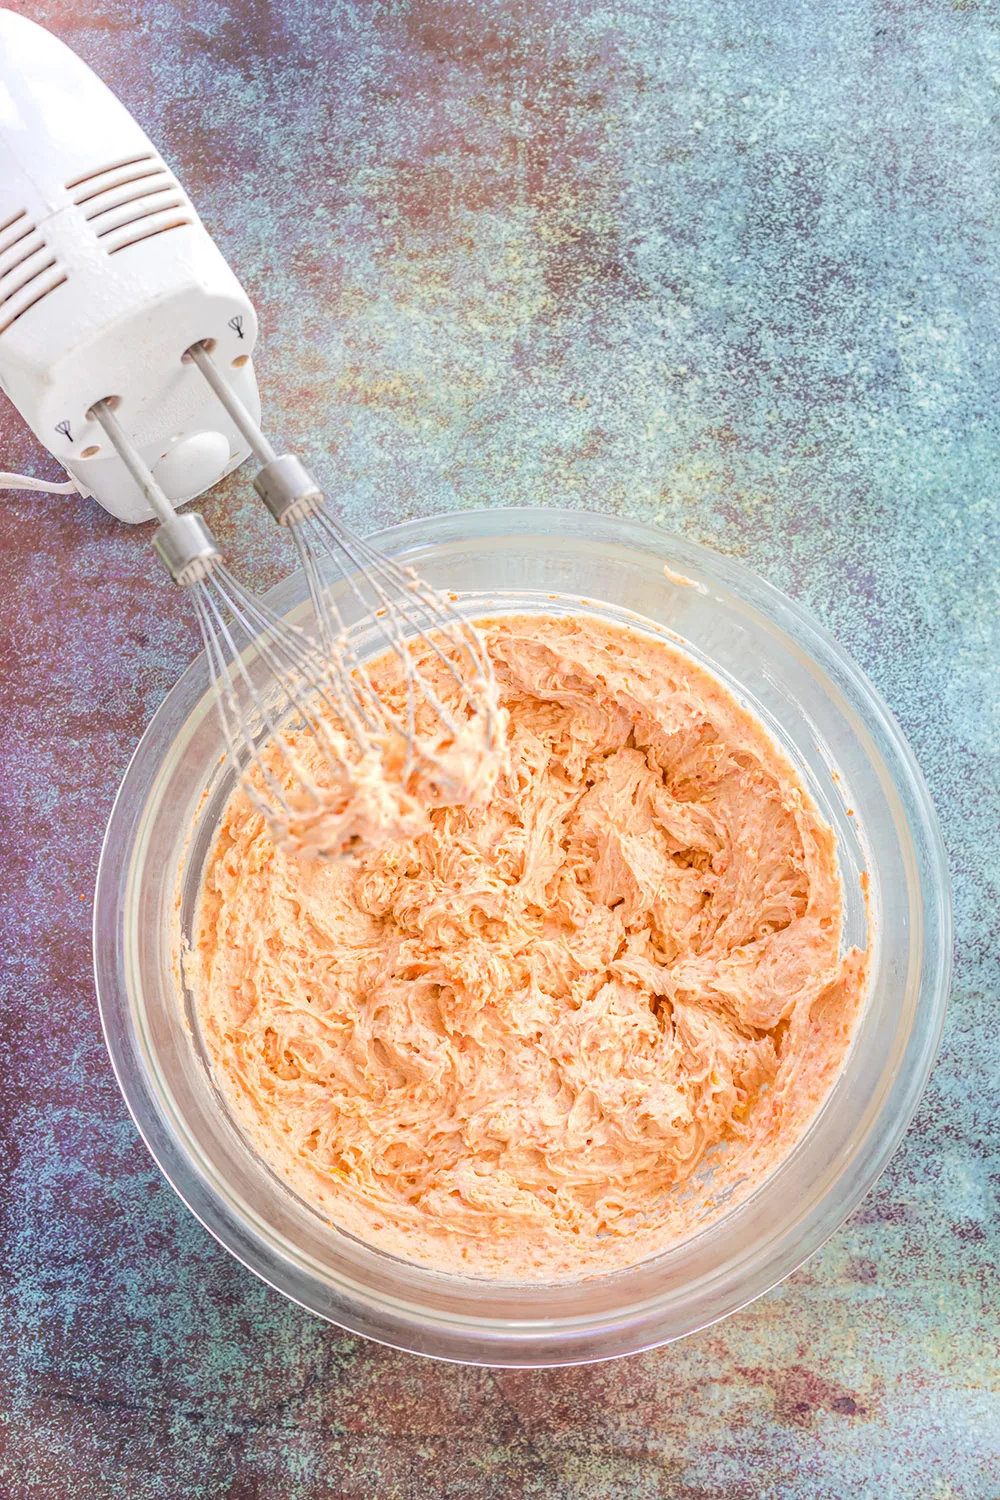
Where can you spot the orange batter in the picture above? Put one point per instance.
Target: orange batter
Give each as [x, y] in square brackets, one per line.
[498, 1046]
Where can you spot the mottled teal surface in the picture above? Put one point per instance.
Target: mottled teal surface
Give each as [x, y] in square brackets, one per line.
[735, 267]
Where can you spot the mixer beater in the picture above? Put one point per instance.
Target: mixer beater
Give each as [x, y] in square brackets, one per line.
[321, 754]
[443, 741]
[293, 740]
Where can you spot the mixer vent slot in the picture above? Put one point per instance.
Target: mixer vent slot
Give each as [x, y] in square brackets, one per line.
[147, 232]
[130, 201]
[115, 166]
[28, 269]
[9, 223]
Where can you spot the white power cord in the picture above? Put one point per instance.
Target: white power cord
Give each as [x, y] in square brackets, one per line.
[43, 486]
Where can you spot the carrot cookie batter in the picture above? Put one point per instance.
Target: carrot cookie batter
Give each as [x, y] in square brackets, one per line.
[498, 1046]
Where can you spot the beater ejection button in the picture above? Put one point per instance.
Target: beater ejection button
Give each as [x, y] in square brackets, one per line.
[193, 465]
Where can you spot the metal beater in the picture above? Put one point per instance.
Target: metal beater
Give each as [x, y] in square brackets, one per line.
[413, 619]
[309, 737]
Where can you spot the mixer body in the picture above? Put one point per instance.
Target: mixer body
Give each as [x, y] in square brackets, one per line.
[107, 277]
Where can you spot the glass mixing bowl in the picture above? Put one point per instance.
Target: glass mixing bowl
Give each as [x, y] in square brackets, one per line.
[862, 774]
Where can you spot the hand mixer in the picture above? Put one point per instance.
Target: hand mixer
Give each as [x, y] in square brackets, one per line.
[126, 343]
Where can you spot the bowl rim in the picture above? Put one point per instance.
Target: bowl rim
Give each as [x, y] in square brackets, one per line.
[498, 1342]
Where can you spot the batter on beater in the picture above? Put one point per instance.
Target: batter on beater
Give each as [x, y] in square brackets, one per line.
[496, 1047]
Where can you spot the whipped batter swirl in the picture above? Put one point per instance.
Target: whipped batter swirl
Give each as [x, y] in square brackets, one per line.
[502, 1045]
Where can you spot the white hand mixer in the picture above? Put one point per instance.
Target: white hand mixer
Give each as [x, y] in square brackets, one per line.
[126, 343]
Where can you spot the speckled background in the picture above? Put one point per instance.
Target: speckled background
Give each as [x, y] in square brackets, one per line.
[735, 266]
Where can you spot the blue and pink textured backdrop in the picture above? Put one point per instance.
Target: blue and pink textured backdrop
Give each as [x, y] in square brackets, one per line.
[732, 266]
